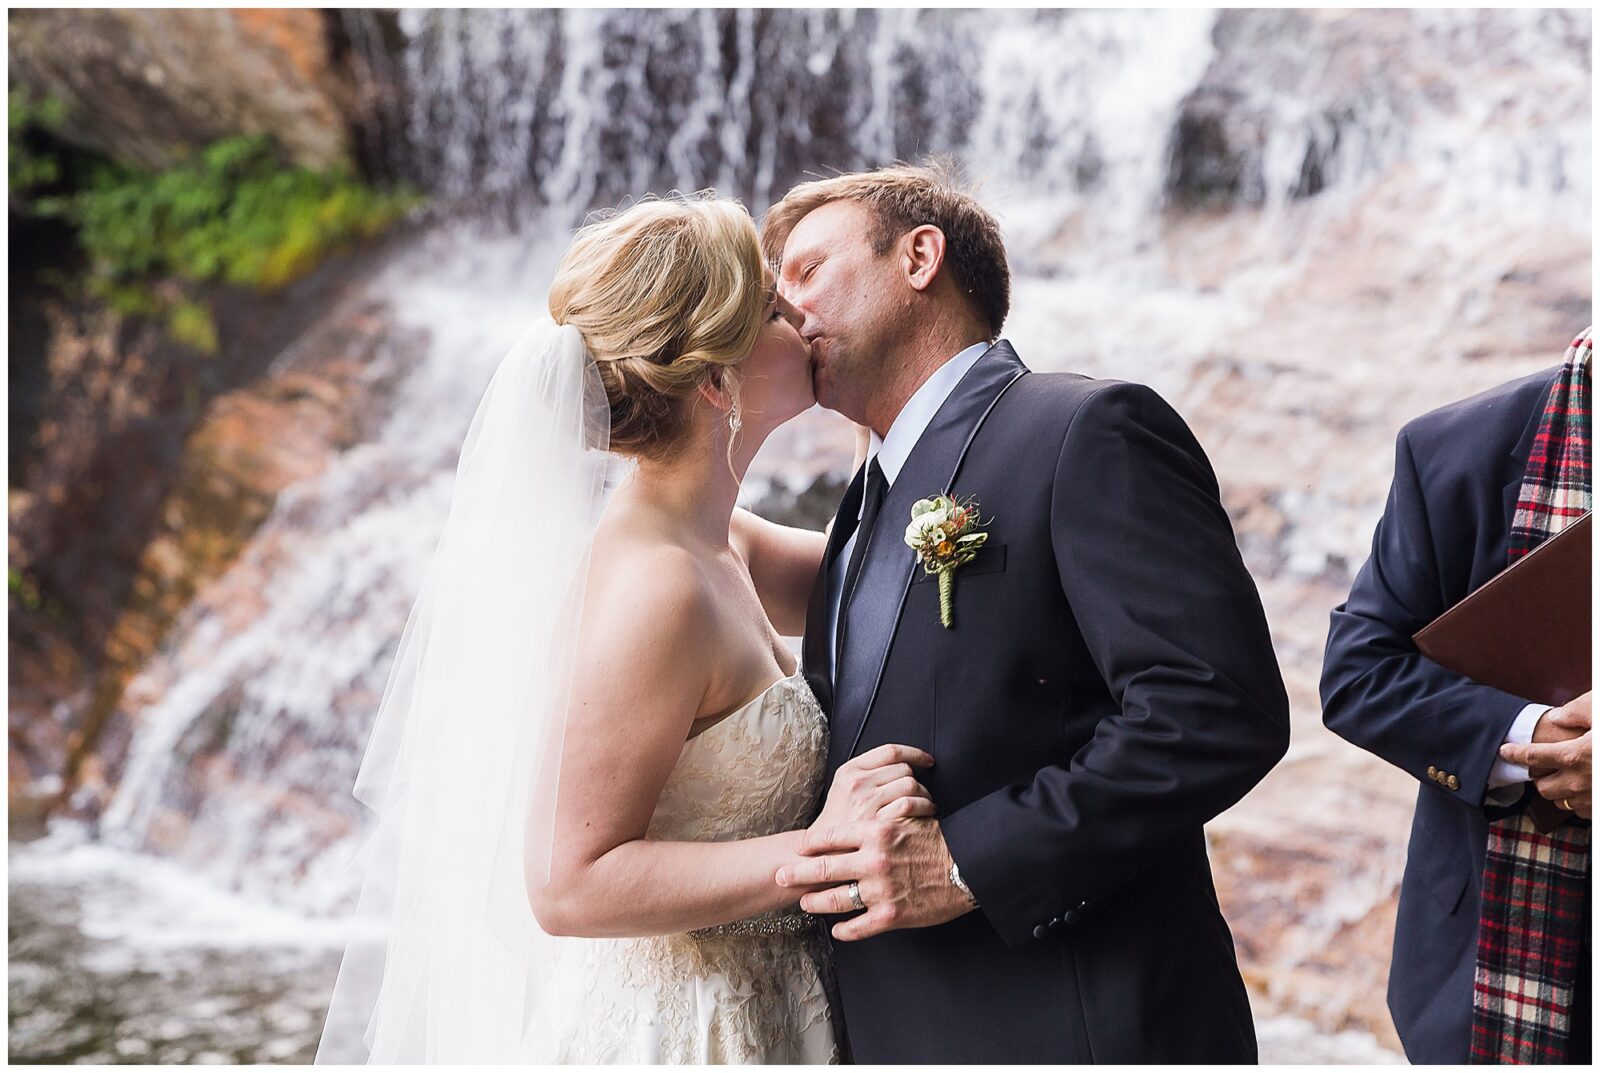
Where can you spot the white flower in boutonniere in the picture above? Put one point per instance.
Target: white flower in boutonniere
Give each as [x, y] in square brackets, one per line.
[944, 534]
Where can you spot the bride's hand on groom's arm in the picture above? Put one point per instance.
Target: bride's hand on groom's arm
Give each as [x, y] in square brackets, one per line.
[881, 783]
[901, 869]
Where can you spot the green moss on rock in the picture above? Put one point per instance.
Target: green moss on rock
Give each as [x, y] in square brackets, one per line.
[236, 213]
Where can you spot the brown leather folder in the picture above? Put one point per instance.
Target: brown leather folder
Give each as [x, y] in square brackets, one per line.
[1528, 629]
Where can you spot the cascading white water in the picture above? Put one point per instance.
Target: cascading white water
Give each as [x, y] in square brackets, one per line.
[1068, 114]
[579, 107]
[339, 560]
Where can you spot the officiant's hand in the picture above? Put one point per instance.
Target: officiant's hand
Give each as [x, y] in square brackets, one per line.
[901, 869]
[1561, 756]
[880, 784]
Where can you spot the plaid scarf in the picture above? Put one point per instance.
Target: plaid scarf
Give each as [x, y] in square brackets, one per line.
[1533, 915]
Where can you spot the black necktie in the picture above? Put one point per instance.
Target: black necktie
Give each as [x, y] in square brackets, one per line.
[871, 503]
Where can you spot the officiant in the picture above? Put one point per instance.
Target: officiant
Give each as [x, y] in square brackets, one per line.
[1491, 957]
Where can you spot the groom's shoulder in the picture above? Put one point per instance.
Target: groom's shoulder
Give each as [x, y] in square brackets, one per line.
[1059, 390]
[1062, 398]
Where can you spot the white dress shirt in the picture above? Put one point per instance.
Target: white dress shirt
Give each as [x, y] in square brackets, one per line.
[1505, 774]
[891, 452]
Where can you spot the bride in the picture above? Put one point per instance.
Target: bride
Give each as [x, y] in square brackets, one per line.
[594, 750]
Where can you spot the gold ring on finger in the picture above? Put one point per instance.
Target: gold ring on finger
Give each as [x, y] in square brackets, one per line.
[1566, 804]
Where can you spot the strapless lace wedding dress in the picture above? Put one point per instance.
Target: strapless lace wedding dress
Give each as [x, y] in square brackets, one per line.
[746, 992]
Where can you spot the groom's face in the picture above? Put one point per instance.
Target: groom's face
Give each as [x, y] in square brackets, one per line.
[847, 298]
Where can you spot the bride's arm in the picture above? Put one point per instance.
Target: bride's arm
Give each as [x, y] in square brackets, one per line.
[784, 560]
[783, 564]
[641, 676]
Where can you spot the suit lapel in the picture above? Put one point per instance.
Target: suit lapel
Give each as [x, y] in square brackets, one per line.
[886, 573]
[814, 646]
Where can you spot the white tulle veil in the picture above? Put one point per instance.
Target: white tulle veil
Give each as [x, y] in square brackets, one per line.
[446, 962]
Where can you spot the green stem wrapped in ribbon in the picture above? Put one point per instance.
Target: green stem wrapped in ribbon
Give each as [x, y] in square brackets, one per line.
[944, 534]
[947, 596]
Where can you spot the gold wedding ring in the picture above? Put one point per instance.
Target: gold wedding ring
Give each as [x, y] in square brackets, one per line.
[1567, 805]
[854, 890]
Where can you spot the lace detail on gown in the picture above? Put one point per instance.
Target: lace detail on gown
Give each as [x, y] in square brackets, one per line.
[685, 999]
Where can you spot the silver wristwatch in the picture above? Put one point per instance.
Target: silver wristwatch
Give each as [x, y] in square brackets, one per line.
[961, 884]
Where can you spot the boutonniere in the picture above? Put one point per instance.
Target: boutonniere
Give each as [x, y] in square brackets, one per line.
[944, 534]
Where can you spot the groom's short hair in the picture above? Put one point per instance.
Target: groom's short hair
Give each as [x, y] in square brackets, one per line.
[899, 198]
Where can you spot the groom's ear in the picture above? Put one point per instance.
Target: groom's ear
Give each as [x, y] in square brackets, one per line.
[923, 255]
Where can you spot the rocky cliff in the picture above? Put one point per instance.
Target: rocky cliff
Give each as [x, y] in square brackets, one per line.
[147, 85]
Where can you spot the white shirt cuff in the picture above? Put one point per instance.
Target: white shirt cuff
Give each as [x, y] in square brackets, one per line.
[1504, 772]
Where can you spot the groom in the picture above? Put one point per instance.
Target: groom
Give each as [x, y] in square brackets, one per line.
[1106, 684]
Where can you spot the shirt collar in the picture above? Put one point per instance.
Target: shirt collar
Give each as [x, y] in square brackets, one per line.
[892, 450]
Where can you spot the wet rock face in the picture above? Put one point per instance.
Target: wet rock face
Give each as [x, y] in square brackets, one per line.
[1223, 135]
[145, 86]
[253, 443]
[1208, 166]
[1295, 102]
[109, 419]
[149, 467]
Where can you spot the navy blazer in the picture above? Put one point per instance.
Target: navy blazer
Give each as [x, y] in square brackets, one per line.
[1444, 532]
[1107, 687]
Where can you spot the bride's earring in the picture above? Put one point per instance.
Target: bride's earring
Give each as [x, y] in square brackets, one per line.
[735, 421]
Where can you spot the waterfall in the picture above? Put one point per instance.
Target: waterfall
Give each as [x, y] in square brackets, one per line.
[585, 108]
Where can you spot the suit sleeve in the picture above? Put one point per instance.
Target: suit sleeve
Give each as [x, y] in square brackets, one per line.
[1174, 625]
[1378, 691]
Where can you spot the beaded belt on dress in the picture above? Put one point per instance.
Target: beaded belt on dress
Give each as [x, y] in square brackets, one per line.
[771, 924]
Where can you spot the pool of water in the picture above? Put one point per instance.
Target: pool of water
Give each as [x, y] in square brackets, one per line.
[115, 959]
[122, 958]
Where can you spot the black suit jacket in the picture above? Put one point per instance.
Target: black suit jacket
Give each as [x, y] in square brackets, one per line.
[1443, 533]
[1108, 686]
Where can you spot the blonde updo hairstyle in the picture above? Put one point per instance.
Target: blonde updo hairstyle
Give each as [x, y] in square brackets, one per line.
[668, 295]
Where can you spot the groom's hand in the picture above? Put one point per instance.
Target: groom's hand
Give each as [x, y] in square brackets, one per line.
[902, 868]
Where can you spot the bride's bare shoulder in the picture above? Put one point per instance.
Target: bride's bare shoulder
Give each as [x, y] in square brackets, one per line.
[646, 599]
[643, 583]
